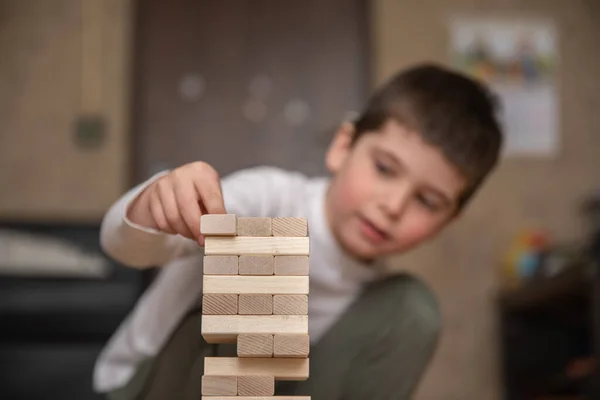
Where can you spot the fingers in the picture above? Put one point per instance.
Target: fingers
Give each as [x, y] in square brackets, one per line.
[200, 240]
[179, 200]
[171, 209]
[211, 195]
[156, 211]
[188, 205]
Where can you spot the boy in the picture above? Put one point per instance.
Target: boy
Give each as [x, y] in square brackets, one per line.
[401, 173]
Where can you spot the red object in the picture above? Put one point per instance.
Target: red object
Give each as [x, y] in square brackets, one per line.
[538, 240]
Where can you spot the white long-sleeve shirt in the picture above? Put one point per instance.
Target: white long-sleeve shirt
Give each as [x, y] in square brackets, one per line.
[335, 278]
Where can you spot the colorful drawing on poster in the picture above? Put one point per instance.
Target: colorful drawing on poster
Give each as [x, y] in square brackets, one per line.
[517, 59]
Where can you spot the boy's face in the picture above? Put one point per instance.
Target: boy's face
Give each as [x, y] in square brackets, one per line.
[390, 191]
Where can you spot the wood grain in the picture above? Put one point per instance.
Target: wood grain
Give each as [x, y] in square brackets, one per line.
[220, 265]
[226, 328]
[290, 304]
[219, 385]
[289, 226]
[255, 345]
[291, 345]
[256, 385]
[214, 284]
[255, 304]
[254, 226]
[257, 398]
[288, 369]
[220, 304]
[256, 264]
[218, 224]
[239, 245]
[291, 265]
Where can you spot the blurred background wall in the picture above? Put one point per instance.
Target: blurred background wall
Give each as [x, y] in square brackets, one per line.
[65, 77]
[63, 63]
[64, 60]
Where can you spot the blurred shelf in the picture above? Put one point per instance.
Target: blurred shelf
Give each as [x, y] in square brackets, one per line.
[571, 286]
[546, 325]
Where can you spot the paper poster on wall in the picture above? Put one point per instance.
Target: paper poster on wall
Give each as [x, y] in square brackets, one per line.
[517, 59]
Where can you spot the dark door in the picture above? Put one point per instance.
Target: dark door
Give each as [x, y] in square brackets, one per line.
[238, 83]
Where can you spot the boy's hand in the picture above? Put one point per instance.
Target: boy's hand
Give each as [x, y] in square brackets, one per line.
[175, 202]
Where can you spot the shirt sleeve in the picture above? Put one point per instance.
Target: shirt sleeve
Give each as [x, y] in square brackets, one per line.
[258, 191]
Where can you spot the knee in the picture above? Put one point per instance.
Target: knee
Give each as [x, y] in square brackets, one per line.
[418, 312]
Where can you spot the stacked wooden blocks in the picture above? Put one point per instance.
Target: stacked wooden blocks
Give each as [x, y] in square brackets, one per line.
[255, 294]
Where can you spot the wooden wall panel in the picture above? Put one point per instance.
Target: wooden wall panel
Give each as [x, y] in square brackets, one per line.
[461, 265]
[61, 58]
[311, 56]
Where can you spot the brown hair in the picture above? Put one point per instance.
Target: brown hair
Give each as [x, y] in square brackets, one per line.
[449, 110]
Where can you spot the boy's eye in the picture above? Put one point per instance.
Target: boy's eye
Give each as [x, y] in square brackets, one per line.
[383, 168]
[428, 203]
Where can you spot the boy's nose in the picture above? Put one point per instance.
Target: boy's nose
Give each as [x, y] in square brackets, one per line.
[395, 201]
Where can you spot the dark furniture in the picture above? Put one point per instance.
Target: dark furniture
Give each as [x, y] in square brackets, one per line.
[52, 329]
[550, 333]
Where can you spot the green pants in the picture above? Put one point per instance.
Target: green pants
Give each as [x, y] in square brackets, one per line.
[377, 350]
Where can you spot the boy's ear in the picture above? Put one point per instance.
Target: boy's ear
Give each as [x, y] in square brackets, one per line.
[340, 147]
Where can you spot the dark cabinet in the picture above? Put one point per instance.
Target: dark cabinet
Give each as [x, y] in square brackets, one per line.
[550, 336]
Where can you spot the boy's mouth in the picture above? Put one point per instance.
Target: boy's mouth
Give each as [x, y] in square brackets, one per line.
[372, 231]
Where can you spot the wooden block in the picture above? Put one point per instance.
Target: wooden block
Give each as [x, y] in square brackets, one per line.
[226, 328]
[255, 304]
[286, 369]
[218, 224]
[255, 345]
[214, 284]
[221, 265]
[256, 265]
[225, 385]
[257, 398]
[256, 385]
[254, 226]
[238, 245]
[291, 265]
[291, 345]
[220, 304]
[290, 304]
[289, 226]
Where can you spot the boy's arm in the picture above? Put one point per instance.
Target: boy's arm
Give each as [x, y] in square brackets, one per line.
[136, 245]
[258, 191]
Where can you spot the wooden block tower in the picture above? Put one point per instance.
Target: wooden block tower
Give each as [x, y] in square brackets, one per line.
[255, 294]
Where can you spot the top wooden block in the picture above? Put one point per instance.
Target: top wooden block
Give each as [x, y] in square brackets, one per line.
[289, 226]
[218, 225]
[231, 225]
[254, 226]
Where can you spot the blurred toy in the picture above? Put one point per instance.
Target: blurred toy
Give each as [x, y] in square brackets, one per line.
[525, 256]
